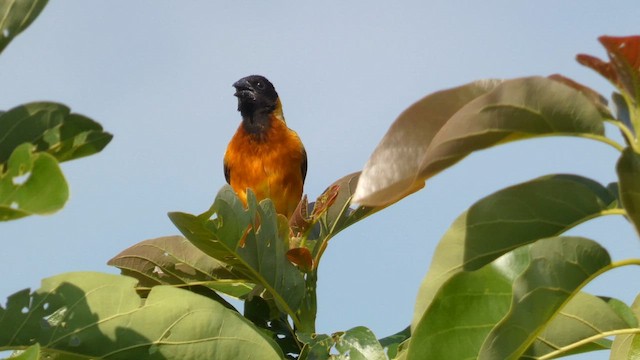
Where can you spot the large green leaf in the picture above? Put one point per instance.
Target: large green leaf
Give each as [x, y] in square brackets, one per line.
[173, 260]
[513, 110]
[31, 183]
[100, 316]
[627, 346]
[583, 317]
[251, 242]
[391, 171]
[628, 169]
[31, 353]
[498, 311]
[554, 270]
[516, 109]
[51, 127]
[15, 16]
[507, 219]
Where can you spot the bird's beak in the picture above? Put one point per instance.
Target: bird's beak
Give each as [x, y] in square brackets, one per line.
[244, 90]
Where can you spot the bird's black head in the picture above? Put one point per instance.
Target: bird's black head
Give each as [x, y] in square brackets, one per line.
[255, 95]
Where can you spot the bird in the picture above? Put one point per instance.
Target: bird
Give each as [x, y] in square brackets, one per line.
[264, 154]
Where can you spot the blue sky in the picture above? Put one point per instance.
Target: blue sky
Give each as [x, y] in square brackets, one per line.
[158, 75]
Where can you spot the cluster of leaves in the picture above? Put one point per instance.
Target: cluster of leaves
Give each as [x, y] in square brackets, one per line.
[504, 282]
[35, 137]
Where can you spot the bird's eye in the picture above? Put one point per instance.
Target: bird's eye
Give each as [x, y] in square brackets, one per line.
[260, 85]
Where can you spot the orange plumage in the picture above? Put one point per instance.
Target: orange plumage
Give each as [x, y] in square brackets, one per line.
[264, 154]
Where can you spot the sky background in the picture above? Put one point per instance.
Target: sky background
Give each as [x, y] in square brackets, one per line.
[158, 75]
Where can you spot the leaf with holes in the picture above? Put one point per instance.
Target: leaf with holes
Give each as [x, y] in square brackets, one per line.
[51, 127]
[15, 16]
[100, 316]
[509, 218]
[173, 260]
[253, 243]
[31, 183]
[266, 316]
[358, 343]
[498, 311]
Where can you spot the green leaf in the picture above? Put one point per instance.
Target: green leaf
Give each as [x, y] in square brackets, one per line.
[392, 170]
[583, 317]
[513, 110]
[627, 346]
[598, 100]
[173, 260]
[393, 342]
[15, 16]
[31, 183]
[51, 127]
[231, 234]
[516, 109]
[512, 217]
[317, 346]
[622, 111]
[628, 169]
[100, 316]
[358, 343]
[498, 311]
[264, 315]
[31, 353]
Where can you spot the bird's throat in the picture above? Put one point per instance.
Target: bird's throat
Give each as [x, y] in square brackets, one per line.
[256, 124]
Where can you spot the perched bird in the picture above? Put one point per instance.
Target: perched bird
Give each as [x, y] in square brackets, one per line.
[264, 154]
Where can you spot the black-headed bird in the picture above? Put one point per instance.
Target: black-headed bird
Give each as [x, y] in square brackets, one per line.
[265, 155]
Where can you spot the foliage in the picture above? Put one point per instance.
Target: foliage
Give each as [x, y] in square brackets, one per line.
[504, 283]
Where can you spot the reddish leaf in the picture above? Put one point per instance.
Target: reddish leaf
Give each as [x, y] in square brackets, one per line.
[601, 67]
[325, 200]
[302, 258]
[300, 220]
[623, 70]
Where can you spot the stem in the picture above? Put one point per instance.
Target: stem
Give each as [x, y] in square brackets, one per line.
[605, 140]
[625, 262]
[585, 341]
[616, 211]
[626, 132]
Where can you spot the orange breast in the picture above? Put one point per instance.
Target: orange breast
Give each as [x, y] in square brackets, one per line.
[271, 166]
